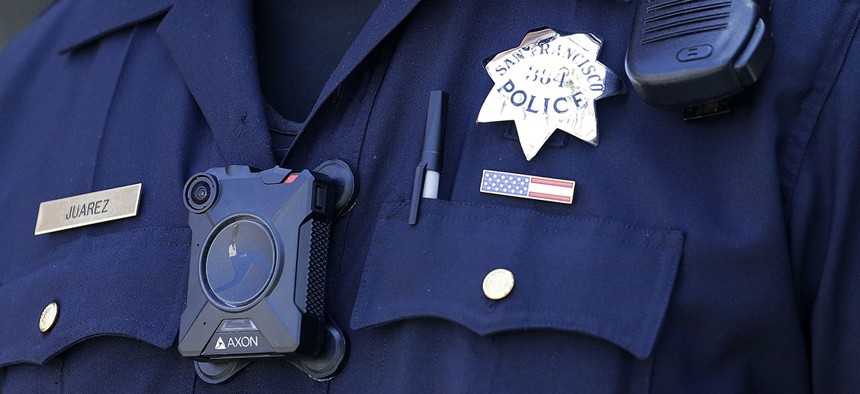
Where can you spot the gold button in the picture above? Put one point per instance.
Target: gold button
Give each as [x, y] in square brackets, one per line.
[49, 317]
[498, 284]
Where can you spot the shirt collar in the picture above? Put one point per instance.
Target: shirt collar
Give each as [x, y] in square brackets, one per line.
[92, 19]
[213, 48]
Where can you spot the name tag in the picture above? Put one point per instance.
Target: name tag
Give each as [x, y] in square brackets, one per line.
[86, 209]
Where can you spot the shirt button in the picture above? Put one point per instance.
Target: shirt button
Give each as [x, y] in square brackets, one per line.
[49, 317]
[498, 284]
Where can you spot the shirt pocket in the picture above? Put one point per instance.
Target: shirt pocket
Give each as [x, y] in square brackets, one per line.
[585, 311]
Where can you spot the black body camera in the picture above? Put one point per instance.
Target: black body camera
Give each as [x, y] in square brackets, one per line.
[258, 268]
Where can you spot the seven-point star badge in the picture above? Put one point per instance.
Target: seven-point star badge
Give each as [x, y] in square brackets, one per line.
[549, 82]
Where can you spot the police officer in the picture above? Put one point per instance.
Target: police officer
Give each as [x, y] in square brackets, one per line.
[711, 256]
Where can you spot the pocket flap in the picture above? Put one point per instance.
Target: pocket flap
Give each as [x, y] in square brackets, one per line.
[579, 274]
[129, 284]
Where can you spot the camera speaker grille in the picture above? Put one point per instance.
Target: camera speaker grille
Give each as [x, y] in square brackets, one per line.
[317, 270]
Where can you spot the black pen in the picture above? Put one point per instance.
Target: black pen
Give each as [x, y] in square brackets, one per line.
[426, 182]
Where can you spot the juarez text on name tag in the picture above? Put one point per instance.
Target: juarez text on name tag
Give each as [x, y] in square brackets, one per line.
[87, 209]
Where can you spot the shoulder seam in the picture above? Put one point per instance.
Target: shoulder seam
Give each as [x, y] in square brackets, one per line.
[842, 56]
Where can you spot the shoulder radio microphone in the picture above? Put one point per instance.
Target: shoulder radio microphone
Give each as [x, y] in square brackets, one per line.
[697, 54]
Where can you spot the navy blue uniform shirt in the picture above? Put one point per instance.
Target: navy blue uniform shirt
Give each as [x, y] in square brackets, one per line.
[716, 256]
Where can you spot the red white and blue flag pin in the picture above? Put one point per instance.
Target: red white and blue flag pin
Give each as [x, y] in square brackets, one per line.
[527, 186]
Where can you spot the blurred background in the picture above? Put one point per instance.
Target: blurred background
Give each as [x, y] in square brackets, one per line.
[15, 15]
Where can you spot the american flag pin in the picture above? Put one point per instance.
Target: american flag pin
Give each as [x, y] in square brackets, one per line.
[527, 186]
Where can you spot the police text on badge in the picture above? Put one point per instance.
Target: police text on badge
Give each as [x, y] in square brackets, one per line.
[549, 82]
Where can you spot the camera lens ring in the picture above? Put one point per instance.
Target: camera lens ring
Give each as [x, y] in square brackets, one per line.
[201, 192]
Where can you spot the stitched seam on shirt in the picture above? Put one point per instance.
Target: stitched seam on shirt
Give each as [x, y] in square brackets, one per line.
[664, 288]
[96, 330]
[110, 103]
[546, 231]
[357, 153]
[602, 326]
[71, 243]
[176, 312]
[550, 318]
[626, 336]
[843, 54]
[76, 252]
[638, 229]
[844, 51]
[533, 318]
[75, 247]
[85, 40]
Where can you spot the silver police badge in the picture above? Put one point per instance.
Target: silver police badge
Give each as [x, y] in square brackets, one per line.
[549, 82]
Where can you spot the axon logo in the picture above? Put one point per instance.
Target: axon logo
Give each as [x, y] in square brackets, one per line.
[232, 342]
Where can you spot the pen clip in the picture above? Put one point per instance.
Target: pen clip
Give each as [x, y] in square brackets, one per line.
[417, 187]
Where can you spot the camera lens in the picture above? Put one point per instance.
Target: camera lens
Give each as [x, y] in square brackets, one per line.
[201, 191]
[238, 262]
